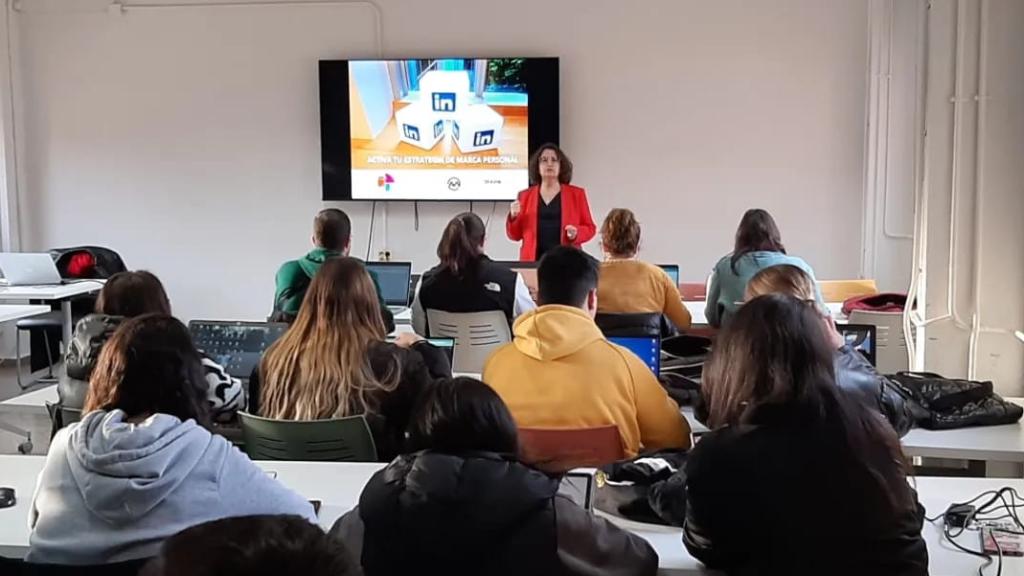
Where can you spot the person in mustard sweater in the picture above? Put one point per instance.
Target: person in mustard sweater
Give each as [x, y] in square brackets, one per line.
[560, 372]
[629, 286]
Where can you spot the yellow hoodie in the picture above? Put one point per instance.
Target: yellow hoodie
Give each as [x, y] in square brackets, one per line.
[560, 372]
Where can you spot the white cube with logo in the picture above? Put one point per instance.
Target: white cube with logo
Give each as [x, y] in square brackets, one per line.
[418, 126]
[477, 128]
[445, 92]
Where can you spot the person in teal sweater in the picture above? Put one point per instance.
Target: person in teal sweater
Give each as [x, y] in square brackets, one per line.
[758, 246]
[332, 237]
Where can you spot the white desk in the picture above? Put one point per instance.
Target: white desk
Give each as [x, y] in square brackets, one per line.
[59, 292]
[338, 486]
[12, 312]
[698, 317]
[33, 401]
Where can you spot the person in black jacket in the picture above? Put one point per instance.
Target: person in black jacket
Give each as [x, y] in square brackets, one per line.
[461, 504]
[853, 371]
[333, 361]
[127, 295]
[796, 477]
[467, 280]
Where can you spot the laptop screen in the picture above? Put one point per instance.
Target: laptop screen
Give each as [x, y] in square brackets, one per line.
[862, 337]
[647, 348]
[237, 346]
[673, 272]
[394, 278]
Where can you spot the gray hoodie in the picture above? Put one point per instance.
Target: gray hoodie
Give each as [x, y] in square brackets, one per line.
[113, 491]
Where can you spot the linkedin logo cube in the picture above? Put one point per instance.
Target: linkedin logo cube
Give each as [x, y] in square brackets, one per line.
[477, 128]
[445, 92]
[418, 126]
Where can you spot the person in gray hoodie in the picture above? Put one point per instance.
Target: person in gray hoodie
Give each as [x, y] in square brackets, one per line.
[141, 465]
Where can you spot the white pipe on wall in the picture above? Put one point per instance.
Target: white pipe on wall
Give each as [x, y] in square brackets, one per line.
[888, 132]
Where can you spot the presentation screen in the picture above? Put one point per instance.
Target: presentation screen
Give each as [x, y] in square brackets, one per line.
[434, 129]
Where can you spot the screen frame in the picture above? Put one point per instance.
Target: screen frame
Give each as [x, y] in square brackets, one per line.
[407, 266]
[336, 129]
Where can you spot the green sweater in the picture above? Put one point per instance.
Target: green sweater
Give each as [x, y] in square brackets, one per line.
[294, 276]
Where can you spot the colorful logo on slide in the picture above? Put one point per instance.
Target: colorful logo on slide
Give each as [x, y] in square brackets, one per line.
[385, 182]
[443, 101]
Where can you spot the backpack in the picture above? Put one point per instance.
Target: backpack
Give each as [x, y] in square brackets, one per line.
[939, 403]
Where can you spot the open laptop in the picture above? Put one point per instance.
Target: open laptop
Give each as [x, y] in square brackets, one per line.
[672, 270]
[647, 348]
[394, 279]
[863, 338]
[27, 269]
[237, 346]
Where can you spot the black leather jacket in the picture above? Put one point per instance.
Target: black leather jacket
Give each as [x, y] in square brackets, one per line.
[858, 377]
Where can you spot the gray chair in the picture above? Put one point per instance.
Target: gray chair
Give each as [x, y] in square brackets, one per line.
[61, 416]
[337, 440]
[476, 335]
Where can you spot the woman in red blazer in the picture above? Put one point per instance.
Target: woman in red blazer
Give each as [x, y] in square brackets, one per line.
[551, 212]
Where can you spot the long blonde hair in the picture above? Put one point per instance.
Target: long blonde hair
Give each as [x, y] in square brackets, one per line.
[321, 367]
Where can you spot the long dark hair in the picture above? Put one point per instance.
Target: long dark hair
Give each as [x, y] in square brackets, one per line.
[774, 356]
[459, 415]
[757, 232]
[462, 244]
[149, 366]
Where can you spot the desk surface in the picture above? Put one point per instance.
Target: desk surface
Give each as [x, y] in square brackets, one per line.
[988, 443]
[52, 292]
[10, 312]
[338, 486]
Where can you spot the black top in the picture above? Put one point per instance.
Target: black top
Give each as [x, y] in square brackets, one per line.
[420, 365]
[549, 224]
[774, 497]
[487, 287]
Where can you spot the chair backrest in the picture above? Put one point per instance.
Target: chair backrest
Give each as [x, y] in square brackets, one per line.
[476, 334]
[337, 440]
[890, 343]
[840, 290]
[639, 324]
[61, 416]
[561, 450]
[693, 291]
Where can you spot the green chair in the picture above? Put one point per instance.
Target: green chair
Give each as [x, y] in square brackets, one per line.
[339, 440]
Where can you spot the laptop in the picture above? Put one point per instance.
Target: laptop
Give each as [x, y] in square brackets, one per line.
[863, 338]
[647, 348]
[27, 269]
[526, 269]
[447, 345]
[237, 346]
[672, 270]
[394, 279]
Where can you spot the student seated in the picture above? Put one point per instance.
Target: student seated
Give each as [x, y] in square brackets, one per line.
[560, 372]
[332, 237]
[333, 361]
[141, 465]
[460, 503]
[252, 546]
[758, 246]
[126, 295]
[853, 372]
[796, 477]
[467, 280]
[627, 285]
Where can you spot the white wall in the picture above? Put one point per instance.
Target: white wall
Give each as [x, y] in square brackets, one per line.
[187, 138]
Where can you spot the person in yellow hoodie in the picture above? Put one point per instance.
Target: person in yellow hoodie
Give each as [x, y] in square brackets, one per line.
[561, 372]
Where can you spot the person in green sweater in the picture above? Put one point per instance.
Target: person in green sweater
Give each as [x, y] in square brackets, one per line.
[332, 236]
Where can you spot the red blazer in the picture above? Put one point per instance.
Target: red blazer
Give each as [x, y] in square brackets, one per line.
[575, 212]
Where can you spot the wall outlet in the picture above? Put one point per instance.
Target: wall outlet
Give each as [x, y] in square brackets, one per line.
[384, 256]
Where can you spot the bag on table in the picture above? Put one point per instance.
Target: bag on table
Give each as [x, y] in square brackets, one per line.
[940, 403]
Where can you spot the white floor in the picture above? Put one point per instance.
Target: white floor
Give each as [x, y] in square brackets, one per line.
[36, 424]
